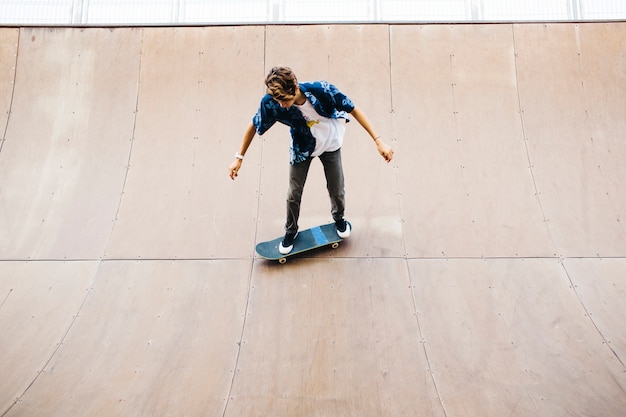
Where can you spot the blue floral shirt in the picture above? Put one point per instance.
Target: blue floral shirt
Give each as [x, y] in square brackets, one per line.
[327, 101]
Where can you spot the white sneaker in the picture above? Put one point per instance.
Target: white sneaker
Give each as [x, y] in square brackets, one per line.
[286, 245]
[344, 231]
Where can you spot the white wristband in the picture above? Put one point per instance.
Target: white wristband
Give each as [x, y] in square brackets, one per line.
[239, 156]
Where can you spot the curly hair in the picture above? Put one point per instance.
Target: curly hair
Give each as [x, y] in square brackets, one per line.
[281, 83]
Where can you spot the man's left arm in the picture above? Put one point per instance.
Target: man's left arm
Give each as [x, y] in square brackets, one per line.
[383, 149]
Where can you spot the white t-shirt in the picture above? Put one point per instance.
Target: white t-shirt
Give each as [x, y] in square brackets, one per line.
[328, 133]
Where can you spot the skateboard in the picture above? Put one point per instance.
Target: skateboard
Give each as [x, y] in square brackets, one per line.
[309, 239]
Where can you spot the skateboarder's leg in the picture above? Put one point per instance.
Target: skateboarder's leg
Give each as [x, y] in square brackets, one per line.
[336, 190]
[333, 170]
[297, 178]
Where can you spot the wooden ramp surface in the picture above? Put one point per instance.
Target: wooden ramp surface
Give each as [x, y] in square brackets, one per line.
[486, 274]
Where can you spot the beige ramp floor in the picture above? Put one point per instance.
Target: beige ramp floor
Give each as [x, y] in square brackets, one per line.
[343, 340]
[601, 287]
[153, 338]
[511, 337]
[39, 302]
[572, 98]
[178, 199]
[466, 186]
[486, 275]
[66, 148]
[8, 59]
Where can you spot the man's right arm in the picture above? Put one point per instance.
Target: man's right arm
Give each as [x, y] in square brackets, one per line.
[233, 169]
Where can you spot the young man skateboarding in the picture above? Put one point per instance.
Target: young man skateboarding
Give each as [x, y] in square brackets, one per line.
[315, 113]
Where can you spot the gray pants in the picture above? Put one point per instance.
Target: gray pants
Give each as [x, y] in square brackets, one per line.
[334, 183]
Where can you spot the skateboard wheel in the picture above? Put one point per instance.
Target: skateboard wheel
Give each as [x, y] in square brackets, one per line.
[282, 260]
[335, 245]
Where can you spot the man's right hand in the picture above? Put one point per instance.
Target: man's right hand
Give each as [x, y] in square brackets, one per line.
[233, 169]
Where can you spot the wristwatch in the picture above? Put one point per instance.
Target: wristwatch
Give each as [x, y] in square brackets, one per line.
[239, 156]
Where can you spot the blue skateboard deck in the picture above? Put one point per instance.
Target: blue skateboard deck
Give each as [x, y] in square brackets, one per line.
[313, 238]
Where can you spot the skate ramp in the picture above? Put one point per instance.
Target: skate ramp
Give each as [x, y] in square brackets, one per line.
[485, 275]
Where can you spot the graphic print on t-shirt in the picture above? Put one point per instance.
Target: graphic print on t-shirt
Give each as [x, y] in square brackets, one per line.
[328, 133]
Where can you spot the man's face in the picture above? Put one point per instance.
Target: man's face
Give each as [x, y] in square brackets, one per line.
[285, 102]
